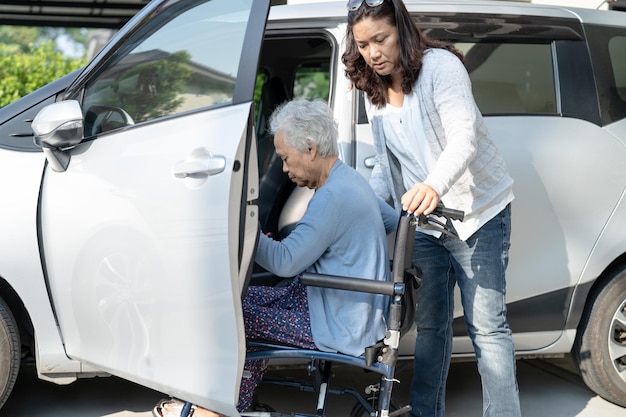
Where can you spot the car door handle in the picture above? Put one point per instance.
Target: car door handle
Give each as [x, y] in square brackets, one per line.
[199, 167]
[370, 162]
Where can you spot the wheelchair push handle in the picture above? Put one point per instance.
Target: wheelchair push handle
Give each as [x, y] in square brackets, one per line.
[449, 213]
[442, 211]
[430, 222]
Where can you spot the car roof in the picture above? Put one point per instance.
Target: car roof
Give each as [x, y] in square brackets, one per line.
[336, 10]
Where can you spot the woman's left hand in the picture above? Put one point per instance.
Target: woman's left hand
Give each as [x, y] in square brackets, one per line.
[420, 199]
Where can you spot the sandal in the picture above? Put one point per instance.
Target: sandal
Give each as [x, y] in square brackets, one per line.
[171, 408]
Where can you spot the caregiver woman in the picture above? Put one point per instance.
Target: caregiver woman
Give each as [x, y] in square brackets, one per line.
[432, 146]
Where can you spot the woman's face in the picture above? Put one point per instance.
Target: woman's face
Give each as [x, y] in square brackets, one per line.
[377, 41]
[301, 167]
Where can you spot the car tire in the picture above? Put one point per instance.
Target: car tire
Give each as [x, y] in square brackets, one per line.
[600, 346]
[9, 352]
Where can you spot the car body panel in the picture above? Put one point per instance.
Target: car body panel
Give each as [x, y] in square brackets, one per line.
[146, 268]
[555, 226]
[15, 118]
[548, 216]
[149, 232]
[20, 237]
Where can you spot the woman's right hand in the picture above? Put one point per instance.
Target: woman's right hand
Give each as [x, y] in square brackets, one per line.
[420, 199]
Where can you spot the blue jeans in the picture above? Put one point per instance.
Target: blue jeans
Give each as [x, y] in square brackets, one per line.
[478, 266]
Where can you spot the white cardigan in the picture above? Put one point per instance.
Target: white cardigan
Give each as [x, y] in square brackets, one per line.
[470, 174]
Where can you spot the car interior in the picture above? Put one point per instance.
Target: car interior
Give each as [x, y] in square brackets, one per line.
[290, 67]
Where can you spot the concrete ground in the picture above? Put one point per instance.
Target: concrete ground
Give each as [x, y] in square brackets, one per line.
[547, 389]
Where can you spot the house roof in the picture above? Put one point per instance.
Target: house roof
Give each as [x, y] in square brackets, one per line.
[111, 14]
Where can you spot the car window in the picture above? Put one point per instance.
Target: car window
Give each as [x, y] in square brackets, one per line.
[168, 68]
[509, 57]
[291, 67]
[617, 55]
[312, 80]
[607, 46]
[511, 77]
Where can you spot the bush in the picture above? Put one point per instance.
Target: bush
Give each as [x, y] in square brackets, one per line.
[24, 71]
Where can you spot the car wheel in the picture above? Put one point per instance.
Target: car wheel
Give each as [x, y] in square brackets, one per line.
[9, 352]
[600, 346]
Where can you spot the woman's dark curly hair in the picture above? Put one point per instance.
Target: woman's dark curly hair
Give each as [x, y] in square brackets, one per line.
[413, 44]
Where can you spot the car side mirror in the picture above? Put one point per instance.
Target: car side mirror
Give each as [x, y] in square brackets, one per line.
[58, 127]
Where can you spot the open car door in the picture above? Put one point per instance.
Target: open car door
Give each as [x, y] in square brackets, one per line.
[147, 215]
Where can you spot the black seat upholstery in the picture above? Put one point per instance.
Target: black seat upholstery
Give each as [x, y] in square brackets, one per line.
[274, 185]
[273, 93]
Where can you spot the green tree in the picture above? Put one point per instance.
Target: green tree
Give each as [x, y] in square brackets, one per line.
[152, 89]
[18, 38]
[25, 69]
[30, 58]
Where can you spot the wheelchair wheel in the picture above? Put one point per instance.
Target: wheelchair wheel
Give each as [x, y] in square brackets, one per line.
[262, 407]
[359, 411]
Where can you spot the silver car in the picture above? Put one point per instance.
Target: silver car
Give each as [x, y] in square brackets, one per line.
[137, 209]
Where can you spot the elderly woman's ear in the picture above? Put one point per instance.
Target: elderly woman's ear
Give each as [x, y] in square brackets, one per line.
[312, 150]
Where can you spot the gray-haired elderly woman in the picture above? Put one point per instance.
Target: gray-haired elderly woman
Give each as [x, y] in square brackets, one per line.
[343, 232]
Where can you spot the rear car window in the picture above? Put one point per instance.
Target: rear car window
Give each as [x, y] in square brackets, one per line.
[291, 67]
[511, 77]
[617, 54]
[312, 81]
[607, 46]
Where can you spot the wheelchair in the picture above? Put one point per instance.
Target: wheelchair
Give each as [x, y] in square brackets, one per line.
[380, 358]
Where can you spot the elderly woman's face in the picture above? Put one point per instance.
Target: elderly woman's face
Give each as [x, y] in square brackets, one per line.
[377, 41]
[299, 166]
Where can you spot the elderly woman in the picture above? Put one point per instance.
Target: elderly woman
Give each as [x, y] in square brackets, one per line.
[343, 232]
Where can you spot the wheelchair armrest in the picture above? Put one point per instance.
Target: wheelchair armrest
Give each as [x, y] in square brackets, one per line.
[349, 284]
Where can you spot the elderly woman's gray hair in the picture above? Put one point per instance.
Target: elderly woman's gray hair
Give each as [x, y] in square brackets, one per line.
[304, 123]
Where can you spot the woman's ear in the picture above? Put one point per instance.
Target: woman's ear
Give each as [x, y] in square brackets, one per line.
[312, 151]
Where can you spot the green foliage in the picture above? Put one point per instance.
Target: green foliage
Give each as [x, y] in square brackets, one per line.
[160, 83]
[149, 90]
[312, 82]
[17, 38]
[261, 78]
[79, 36]
[27, 64]
[29, 59]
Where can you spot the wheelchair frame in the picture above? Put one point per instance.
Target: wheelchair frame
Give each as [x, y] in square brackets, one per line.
[380, 358]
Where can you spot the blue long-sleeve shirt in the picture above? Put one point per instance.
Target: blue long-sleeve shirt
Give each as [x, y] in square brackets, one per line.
[342, 233]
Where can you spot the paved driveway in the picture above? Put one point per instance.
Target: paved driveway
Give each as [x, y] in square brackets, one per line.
[548, 389]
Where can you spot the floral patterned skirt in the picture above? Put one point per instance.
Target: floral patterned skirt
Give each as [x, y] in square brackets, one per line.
[274, 314]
